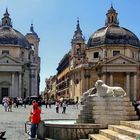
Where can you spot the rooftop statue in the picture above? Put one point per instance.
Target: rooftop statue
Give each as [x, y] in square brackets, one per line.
[104, 90]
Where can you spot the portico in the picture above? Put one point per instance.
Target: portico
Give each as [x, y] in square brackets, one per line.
[124, 76]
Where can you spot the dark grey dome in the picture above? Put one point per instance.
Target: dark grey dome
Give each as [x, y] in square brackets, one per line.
[8, 35]
[113, 34]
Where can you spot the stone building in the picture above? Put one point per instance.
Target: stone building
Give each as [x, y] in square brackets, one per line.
[112, 53]
[19, 61]
[50, 89]
[62, 82]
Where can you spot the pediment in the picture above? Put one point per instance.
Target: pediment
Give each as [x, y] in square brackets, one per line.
[7, 59]
[5, 83]
[120, 59]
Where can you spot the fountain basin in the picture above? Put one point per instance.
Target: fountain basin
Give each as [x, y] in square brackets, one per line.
[66, 129]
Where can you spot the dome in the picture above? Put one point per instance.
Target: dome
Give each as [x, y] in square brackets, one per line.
[113, 35]
[8, 35]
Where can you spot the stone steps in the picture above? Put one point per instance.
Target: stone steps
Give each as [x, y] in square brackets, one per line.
[132, 124]
[114, 135]
[127, 130]
[98, 137]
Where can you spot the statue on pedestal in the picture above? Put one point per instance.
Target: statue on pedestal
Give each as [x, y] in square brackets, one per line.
[104, 90]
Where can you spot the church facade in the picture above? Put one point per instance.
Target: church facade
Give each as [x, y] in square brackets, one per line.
[112, 53]
[19, 61]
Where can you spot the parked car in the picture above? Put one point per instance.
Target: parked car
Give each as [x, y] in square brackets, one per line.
[30, 99]
[20, 101]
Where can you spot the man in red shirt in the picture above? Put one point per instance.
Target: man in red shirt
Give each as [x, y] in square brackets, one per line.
[35, 118]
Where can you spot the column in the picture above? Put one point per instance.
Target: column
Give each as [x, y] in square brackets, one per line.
[72, 85]
[83, 81]
[80, 81]
[13, 84]
[135, 86]
[128, 84]
[19, 84]
[111, 79]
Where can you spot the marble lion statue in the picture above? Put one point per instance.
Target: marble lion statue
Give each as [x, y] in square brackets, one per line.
[104, 90]
[90, 92]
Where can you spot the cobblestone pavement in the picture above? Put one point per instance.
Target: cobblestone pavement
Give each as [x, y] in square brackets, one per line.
[14, 122]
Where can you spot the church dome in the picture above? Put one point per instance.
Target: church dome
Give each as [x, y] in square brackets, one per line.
[10, 36]
[112, 33]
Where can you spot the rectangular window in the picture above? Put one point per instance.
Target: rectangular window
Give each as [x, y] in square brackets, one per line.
[116, 53]
[5, 51]
[96, 55]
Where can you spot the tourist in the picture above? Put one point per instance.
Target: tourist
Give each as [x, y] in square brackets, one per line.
[34, 118]
[49, 103]
[5, 103]
[64, 107]
[17, 102]
[24, 103]
[10, 102]
[57, 106]
[46, 103]
[76, 104]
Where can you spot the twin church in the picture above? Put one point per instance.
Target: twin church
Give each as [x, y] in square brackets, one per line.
[112, 53]
[19, 61]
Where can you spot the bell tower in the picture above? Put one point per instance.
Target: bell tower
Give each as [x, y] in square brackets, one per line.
[6, 20]
[78, 47]
[33, 39]
[111, 17]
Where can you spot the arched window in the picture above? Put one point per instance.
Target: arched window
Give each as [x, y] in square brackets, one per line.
[112, 18]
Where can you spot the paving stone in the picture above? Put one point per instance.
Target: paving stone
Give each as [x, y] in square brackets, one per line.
[14, 122]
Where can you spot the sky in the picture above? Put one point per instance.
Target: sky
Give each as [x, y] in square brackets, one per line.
[55, 22]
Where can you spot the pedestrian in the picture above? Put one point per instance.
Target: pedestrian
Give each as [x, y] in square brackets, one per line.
[5, 103]
[17, 101]
[46, 103]
[49, 102]
[24, 103]
[57, 106]
[34, 118]
[10, 104]
[76, 104]
[64, 107]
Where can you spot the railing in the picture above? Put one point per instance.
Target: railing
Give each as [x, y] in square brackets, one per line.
[27, 128]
